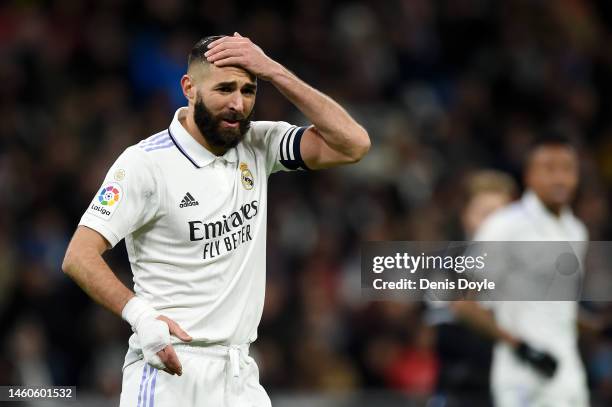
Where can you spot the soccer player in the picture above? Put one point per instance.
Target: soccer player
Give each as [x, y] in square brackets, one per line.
[536, 360]
[191, 203]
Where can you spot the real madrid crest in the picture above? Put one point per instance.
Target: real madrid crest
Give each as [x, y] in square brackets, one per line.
[248, 182]
[119, 174]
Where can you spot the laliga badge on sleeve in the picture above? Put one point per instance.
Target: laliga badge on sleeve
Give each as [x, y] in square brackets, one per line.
[107, 200]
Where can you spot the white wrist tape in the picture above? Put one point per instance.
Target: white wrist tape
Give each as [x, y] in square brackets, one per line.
[153, 334]
[136, 309]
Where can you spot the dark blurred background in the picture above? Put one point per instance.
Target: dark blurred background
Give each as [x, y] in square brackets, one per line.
[444, 88]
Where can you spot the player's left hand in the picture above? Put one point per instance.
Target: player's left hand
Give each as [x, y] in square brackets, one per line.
[240, 51]
[542, 361]
[168, 358]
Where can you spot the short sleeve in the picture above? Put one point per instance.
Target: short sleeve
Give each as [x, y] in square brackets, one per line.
[127, 199]
[282, 144]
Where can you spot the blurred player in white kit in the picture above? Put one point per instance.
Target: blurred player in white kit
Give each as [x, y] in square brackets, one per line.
[536, 361]
[191, 203]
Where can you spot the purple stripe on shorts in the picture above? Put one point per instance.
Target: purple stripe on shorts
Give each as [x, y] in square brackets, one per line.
[152, 393]
[147, 385]
[144, 375]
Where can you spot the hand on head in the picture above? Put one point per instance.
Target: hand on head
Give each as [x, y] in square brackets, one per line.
[240, 51]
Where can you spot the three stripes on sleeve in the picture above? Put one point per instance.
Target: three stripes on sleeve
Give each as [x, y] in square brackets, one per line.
[290, 155]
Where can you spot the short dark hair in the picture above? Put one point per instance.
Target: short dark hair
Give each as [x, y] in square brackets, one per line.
[200, 47]
[553, 137]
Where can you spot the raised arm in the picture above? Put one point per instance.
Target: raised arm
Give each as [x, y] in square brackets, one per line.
[334, 138]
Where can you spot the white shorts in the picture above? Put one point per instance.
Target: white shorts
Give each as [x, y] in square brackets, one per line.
[213, 376]
[516, 384]
[528, 397]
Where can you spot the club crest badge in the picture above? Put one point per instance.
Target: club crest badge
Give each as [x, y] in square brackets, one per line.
[248, 182]
[119, 174]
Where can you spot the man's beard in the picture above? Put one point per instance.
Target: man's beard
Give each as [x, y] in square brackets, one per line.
[210, 126]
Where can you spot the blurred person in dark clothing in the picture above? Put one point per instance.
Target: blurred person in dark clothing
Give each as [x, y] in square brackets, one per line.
[464, 358]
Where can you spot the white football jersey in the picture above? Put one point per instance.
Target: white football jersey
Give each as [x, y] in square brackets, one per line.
[195, 225]
[546, 325]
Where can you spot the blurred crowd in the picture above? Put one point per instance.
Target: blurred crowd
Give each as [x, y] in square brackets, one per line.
[445, 88]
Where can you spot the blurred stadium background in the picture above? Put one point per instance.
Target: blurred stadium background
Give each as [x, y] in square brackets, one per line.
[444, 88]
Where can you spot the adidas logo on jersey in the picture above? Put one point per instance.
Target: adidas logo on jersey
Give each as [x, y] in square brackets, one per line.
[188, 200]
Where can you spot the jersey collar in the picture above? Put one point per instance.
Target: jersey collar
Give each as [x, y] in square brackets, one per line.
[199, 155]
[534, 205]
